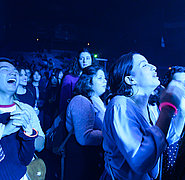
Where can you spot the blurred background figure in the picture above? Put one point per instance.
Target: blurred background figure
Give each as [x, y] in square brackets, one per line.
[28, 74]
[83, 60]
[39, 95]
[23, 94]
[51, 105]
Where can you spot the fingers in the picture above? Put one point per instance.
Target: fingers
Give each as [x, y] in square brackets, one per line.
[174, 93]
[20, 118]
[175, 84]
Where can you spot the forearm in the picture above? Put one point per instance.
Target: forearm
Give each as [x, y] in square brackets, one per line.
[39, 143]
[165, 118]
[27, 148]
[90, 137]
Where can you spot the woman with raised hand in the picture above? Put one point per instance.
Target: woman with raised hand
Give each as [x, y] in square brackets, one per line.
[85, 114]
[134, 135]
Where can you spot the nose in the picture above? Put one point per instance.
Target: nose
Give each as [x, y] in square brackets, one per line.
[105, 81]
[84, 60]
[12, 72]
[153, 67]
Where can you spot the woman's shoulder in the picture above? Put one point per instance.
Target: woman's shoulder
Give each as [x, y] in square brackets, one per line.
[70, 78]
[80, 98]
[119, 100]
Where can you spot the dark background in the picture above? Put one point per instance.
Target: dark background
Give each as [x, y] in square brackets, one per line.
[111, 27]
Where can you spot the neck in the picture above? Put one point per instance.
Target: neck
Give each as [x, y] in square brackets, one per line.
[141, 98]
[6, 99]
[21, 90]
[35, 83]
[141, 101]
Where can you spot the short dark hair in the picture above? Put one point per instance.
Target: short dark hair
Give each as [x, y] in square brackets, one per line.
[120, 69]
[84, 83]
[170, 73]
[5, 59]
[19, 68]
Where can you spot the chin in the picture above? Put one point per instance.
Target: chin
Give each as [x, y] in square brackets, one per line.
[156, 84]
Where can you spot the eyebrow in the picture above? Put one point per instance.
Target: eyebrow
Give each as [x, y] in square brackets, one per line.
[143, 61]
[3, 66]
[7, 67]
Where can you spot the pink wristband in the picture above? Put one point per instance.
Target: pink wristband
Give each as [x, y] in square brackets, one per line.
[32, 135]
[168, 104]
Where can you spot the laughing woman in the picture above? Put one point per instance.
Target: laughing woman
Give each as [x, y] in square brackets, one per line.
[135, 136]
[85, 115]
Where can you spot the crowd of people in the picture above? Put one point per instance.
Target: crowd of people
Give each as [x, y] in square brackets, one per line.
[125, 123]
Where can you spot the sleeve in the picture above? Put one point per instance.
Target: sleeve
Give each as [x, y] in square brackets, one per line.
[140, 146]
[6, 125]
[27, 149]
[176, 127]
[83, 116]
[36, 123]
[4, 118]
[2, 154]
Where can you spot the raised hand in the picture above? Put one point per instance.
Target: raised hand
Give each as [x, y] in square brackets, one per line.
[174, 93]
[22, 118]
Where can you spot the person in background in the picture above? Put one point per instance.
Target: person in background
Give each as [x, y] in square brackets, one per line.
[59, 74]
[17, 135]
[28, 74]
[39, 94]
[85, 113]
[83, 60]
[173, 158]
[134, 137]
[51, 108]
[23, 94]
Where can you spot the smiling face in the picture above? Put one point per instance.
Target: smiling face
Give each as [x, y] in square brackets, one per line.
[85, 59]
[23, 78]
[9, 79]
[99, 83]
[144, 74]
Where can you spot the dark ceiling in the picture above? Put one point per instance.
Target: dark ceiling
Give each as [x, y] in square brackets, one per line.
[111, 27]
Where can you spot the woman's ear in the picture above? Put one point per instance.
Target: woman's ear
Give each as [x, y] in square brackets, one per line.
[130, 80]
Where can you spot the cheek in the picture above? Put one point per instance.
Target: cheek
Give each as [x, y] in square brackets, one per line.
[90, 62]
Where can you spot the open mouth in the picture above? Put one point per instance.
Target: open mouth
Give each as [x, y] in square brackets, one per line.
[155, 75]
[11, 81]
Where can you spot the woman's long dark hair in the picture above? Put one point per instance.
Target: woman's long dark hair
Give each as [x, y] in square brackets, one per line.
[75, 69]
